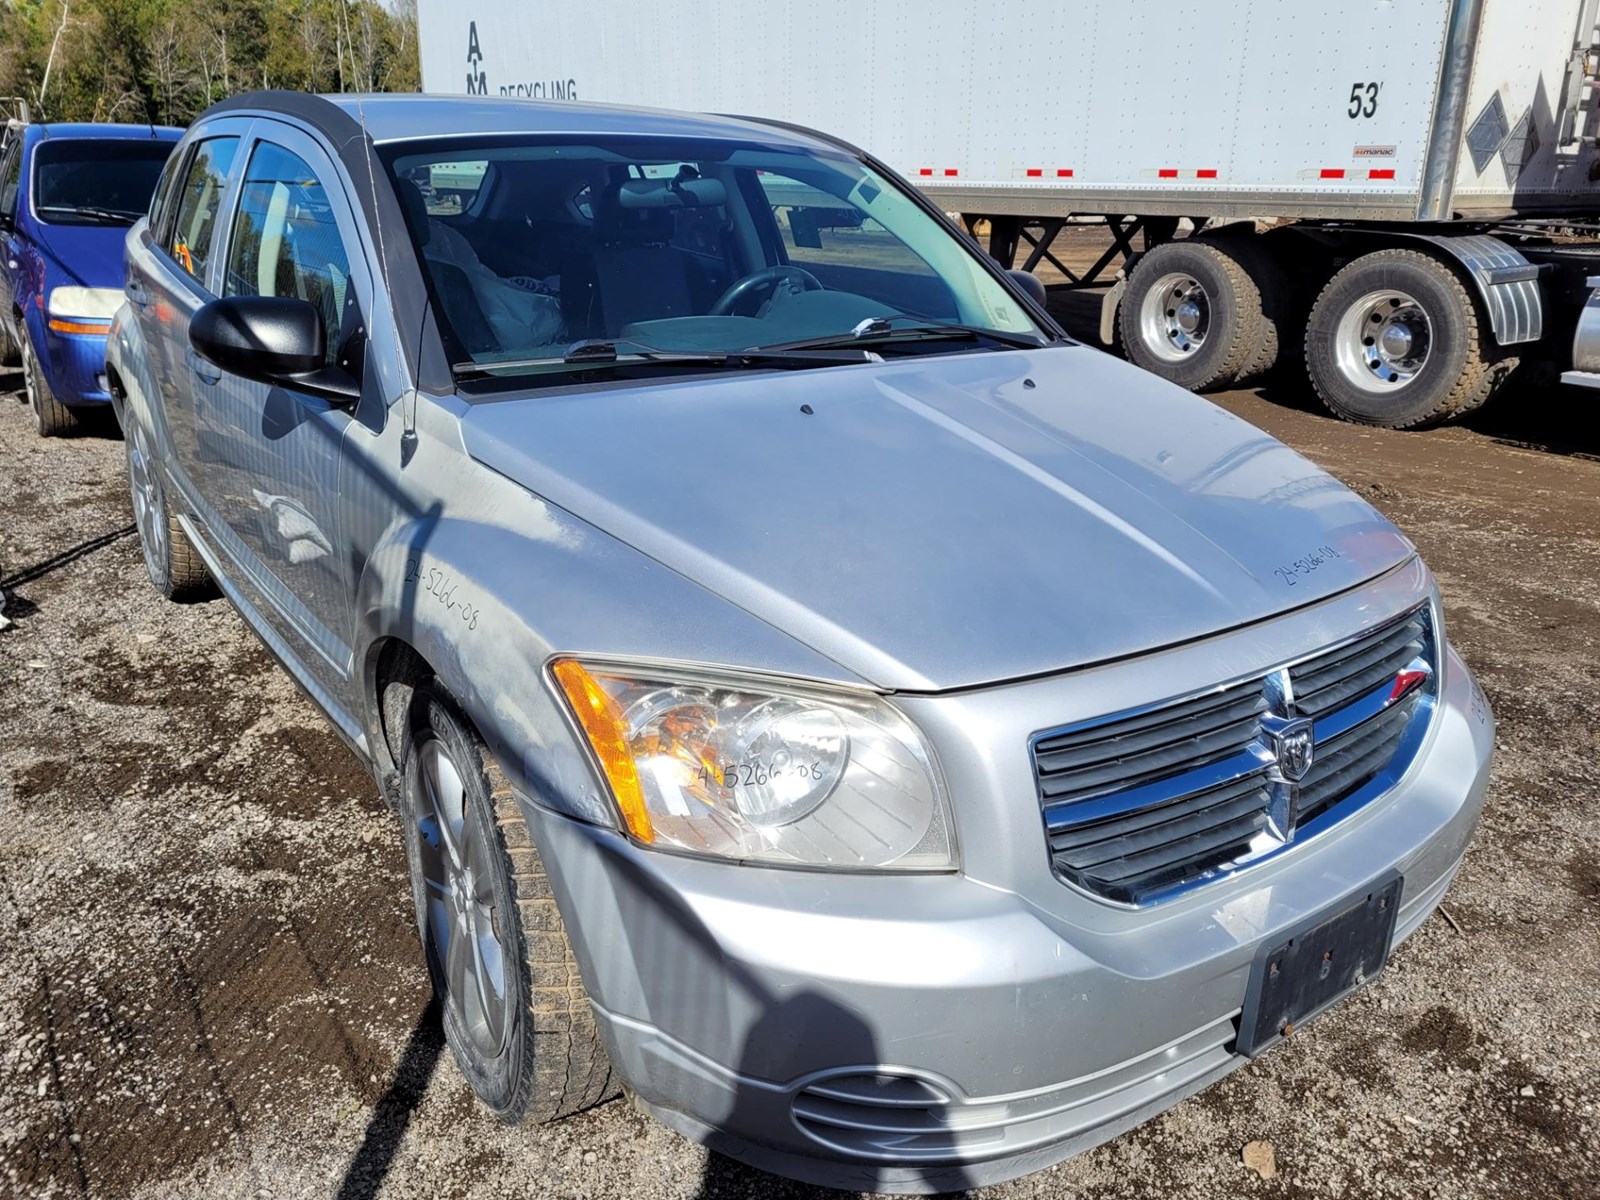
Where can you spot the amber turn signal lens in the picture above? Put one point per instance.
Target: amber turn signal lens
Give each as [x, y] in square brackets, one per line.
[63, 326]
[602, 723]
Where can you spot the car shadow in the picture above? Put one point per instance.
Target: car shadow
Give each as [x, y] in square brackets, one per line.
[392, 1115]
[790, 1032]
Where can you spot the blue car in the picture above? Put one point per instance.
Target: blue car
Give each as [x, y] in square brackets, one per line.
[68, 194]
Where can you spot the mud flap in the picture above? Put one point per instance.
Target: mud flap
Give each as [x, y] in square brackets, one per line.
[1108, 312]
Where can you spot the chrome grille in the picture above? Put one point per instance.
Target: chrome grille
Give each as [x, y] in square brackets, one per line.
[1142, 804]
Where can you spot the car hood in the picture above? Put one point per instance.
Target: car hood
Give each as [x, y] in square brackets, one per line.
[951, 520]
[85, 255]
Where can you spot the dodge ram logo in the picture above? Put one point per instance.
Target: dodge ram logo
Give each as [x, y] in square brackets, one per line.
[1294, 748]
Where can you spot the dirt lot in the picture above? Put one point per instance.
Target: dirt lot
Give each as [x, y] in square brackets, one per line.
[210, 986]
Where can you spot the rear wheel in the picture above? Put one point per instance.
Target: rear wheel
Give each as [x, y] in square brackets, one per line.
[170, 559]
[515, 1012]
[50, 417]
[1395, 340]
[1193, 314]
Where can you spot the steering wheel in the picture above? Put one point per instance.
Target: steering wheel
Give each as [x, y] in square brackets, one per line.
[799, 280]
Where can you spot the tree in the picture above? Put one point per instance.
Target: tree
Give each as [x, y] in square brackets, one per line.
[167, 60]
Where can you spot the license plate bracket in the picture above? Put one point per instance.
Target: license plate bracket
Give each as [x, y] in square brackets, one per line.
[1303, 971]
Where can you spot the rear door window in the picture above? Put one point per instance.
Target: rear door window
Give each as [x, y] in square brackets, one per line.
[451, 188]
[199, 199]
[286, 242]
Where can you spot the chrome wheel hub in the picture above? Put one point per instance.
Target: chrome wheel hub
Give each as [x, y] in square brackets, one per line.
[1383, 341]
[463, 923]
[1175, 317]
[149, 505]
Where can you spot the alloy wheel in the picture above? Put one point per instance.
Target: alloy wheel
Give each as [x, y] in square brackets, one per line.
[30, 383]
[1382, 341]
[463, 922]
[1175, 317]
[149, 504]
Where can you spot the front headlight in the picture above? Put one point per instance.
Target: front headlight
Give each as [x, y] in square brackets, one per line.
[746, 771]
[83, 309]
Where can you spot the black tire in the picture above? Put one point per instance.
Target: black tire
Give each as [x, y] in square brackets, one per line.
[1236, 334]
[10, 356]
[50, 417]
[1461, 369]
[552, 1062]
[1278, 334]
[175, 567]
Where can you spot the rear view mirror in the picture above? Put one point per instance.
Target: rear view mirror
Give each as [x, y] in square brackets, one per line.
[270, 339]
[1030, 284]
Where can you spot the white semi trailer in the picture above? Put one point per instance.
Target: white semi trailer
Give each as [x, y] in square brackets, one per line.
[1404, 190]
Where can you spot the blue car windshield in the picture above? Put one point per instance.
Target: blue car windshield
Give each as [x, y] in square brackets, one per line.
[96, 181]
[693, 246]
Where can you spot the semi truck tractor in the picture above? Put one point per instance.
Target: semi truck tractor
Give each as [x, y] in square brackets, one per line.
[1398, 197]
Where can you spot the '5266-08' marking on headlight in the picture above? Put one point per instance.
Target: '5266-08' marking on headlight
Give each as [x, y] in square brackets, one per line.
[442, 588]
[1306, 565]
[758, 773]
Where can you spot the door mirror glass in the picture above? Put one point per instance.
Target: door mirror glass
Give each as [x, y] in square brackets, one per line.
[270, 339]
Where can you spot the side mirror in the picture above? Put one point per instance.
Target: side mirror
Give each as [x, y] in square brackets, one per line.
[271, 339]
[1029, 283]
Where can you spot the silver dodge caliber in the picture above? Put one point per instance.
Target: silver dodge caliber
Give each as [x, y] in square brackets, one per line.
[900, 745]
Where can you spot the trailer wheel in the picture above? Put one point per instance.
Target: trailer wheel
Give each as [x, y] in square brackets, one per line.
[1278, 308]
[1394, 340]
[1193, 314]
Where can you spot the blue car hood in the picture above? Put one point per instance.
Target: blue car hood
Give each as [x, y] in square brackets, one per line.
[83, 255]
[954, 520]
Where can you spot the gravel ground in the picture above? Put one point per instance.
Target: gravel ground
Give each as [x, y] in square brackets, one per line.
[210, 985]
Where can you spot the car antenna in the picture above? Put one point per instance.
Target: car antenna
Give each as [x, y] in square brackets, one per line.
[408, 435]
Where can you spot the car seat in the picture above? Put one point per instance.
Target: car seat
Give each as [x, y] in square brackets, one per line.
[634, 272]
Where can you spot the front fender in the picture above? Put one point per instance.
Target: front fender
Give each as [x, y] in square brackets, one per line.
[488, 604]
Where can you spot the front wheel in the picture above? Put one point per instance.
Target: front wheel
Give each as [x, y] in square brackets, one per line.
[516, 1016]
[1395, 340]
[10, 356]
[50, 417]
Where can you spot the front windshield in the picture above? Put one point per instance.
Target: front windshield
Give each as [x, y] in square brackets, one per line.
[682, 245]
[96, 181]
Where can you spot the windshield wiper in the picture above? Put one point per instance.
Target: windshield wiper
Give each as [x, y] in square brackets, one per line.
[98, 214]
[605, 352]
[900, 327]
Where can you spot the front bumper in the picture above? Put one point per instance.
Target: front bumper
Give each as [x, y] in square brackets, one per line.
[74, 365]
[937, 1032]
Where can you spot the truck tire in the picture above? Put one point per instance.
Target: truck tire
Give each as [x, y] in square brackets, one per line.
[50, 417]
[515, 1013]
[170, 559]
[1278, 316]
[1395, 340]
[1193, 314]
